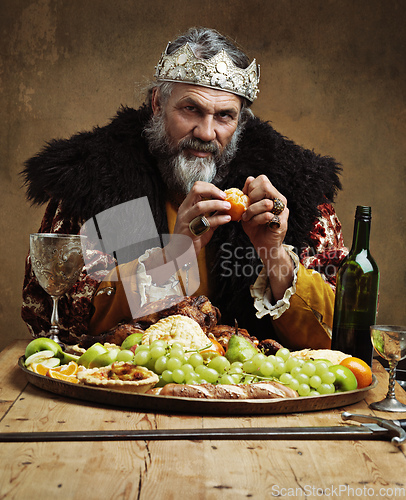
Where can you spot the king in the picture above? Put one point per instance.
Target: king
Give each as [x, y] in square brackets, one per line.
[272, 271]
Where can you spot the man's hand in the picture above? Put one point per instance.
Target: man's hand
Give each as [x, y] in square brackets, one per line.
[268, 241]
[204, 199]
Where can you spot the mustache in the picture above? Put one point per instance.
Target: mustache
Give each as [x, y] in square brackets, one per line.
[199, 145]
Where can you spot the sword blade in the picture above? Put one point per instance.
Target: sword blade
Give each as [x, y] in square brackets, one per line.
[252, 433]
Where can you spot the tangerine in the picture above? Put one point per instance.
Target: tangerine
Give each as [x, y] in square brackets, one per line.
[360, 369]
[70, 369]
[239, 203]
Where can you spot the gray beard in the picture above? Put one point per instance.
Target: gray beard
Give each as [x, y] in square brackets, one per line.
[180, 171]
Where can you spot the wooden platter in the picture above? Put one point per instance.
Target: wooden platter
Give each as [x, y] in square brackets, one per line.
[167, 404]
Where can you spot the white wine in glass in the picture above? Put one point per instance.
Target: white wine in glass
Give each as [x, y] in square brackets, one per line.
[389, 342]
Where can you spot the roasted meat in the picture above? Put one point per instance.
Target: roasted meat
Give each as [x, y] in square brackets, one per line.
[198, 308]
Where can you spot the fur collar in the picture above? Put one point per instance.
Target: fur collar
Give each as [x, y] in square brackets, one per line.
[93, 171]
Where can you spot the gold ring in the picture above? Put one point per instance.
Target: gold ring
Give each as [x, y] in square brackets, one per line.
[199, 225]
[278, 206]
[275, 222]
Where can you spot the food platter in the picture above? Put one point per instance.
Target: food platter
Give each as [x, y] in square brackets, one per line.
[169, 404]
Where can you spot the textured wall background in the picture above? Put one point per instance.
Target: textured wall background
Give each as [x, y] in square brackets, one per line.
[333, 79]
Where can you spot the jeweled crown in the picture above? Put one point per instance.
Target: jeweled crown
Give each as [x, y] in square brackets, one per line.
[219, 72]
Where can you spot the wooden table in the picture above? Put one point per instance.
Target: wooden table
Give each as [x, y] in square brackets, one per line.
[184, 469]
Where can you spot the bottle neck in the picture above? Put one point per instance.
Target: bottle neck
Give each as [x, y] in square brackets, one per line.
[362, 230]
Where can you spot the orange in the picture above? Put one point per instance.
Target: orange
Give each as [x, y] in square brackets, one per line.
[239, 203]
[216, 349]
[69, 369]
[360, 369]
[53, 373]
[39, 368]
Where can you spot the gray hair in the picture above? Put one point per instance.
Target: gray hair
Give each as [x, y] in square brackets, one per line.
[205, 43]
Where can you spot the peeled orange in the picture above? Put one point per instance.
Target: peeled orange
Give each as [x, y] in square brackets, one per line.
[360, 369]
[239, 203]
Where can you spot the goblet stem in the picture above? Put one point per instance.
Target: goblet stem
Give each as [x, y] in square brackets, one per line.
[54, 330]
[392, 378]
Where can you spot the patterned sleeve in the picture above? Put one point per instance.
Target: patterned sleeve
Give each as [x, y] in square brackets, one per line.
[75, 307]
[328, 245]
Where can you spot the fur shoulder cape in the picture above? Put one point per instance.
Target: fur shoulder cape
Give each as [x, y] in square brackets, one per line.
[95, 170]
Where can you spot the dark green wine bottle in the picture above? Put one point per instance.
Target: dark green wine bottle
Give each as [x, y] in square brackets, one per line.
[356, 297]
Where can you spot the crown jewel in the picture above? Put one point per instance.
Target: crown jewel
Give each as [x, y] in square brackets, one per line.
[219, 72]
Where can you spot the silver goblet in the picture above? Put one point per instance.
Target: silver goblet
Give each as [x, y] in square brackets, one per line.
[390, 343]
[57, 260]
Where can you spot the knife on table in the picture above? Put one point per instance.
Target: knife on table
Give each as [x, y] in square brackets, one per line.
[371, 428]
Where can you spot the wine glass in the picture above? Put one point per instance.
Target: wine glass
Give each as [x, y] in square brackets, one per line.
[57, 260]
[390, 343]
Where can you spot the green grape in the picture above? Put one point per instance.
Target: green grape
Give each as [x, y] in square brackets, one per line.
[125, 355]
[326, 389]
[291, 363]
[199, 369]
[315, 381]
[157, 351]
[235, 370]
[178, 376]
[167, 376]
[303, 390]
[302, 378]
[286, 378]
[271, 358]
[177, 353]
[278, 359]
[328, 378]
[258, 358]
[236, 377]
[314, 393]
[279, 368]
[187, 368]
[294, 384]
[236, 364]
[141, 347]
[158, 343]
[192, 378]
[174, 363]
[283, 353]
[161, 365]
[220, 364]
[321, 368]
[142, 357]
[178, 346]
[226, 379]
[195, 359]
[295, 370]
[249, 366]
[211, 375]
[309, 368]
[266, 368]
[151, 364]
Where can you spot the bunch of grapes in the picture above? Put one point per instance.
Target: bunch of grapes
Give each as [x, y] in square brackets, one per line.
[174, 364]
